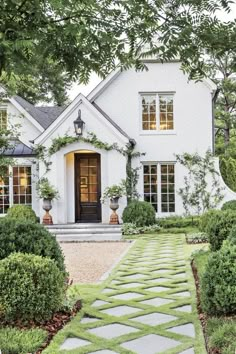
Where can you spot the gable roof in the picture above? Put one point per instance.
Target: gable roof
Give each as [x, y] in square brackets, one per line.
[96, 110]
[43, 115]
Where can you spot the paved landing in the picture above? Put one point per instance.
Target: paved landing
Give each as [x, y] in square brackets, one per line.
[146, 306]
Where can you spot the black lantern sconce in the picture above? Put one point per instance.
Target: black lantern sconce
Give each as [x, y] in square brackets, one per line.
[79, 124]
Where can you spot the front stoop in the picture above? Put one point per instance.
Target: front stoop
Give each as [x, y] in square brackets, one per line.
[86, 232]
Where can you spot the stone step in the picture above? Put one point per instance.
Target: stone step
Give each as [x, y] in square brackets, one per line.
[84, 231]
[83, 226]
[78, 237]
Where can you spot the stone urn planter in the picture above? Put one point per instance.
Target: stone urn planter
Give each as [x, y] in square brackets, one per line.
[114, 205]
[47, 206]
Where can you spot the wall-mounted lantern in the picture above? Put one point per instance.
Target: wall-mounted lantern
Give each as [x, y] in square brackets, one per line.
[79, 124]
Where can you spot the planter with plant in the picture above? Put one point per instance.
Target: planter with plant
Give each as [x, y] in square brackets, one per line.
[47, 192]
[113, 193]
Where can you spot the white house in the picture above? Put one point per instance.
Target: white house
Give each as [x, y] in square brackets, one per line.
[159, 112]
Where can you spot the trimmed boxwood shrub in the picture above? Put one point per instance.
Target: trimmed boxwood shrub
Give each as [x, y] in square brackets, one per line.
[218, 283]
[204, 219]
[23, 212]
[230, 205]
[139, 213]
[178, 221]
[31, 287]
[218, 228]
[28, 237]
[232, 236]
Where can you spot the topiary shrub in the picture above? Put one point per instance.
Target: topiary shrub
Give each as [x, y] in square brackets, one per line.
[204, 219]
[232, 236]
[218, 283]
[23, 212]
[28, 237]
[230, 205]
[31, 287]
[139, 213]
[218, 228]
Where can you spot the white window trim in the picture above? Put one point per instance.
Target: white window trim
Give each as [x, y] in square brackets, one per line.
[159, 163]
[157, 131]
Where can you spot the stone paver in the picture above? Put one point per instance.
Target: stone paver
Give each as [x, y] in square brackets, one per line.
[150, 344]
[74, 343]
[152, 282]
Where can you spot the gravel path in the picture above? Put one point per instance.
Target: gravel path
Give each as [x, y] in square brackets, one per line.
[86, 262]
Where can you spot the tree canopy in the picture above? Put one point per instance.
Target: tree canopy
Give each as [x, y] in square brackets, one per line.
[45, 45]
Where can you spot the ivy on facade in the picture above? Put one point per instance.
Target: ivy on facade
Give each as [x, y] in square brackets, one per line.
[44, 155]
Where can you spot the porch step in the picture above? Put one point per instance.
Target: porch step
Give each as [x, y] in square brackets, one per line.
[86, 232]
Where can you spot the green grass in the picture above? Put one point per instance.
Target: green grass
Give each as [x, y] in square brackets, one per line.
[221, 331]
[90, 293]
[15, 341]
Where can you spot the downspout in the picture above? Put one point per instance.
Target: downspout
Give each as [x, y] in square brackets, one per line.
[214, 98]
[131, 146]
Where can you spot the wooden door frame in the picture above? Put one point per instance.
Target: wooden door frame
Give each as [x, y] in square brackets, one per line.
[77, 156]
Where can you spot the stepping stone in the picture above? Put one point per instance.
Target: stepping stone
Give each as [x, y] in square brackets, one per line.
[182, 294]
[89, 320]
[161, 271]
[131, 285]
[107, 290]
[135, 276]
[154, 319]
[150, 344]
[126, 296]
[120, 310]
[186, 308]
[74, 343]
[99, 303]
[159, 280]
[157, 301]
[112, 330]
[158, 289]
[103, 352]
[179, 275]
[115, 282]
[187, 330]
[188, 351]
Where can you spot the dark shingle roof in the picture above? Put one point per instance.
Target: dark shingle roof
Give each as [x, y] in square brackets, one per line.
[18, 149]
[43, 115]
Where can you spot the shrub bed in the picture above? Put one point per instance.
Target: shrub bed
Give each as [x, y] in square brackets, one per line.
[139, 213]
[218, 228]
[205, 219]
[28, 237]
[31, 287]
[178, 221]
[22, 212]
[230, 205]
[218, 283]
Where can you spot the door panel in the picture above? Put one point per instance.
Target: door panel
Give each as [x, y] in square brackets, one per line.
[87, 188]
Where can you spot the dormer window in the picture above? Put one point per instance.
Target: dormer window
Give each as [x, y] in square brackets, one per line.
[3, 119]
[157, 112]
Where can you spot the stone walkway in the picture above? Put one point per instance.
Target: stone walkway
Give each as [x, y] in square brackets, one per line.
[147, 306]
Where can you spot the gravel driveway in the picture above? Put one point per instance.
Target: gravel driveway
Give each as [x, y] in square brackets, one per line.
[86, 262]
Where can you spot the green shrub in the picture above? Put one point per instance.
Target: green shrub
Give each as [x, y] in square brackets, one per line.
[31, 287]
[222, 334]
[218, 282]
[230, 205]
[178, 221]
[139, 213]
[204, 219]
[28, 237]
[23, 212]
[232, 235]
[218, 228]
[16, 341]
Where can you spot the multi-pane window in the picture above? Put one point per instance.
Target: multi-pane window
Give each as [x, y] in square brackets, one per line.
[150, 184]
[159, 186]
[3, 119]
[4, 192]
[168, 188]
[22, 193]
[15, 187]
[149, 112]
[157, 112]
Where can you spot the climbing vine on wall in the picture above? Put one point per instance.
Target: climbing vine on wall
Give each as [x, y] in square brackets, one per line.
[129, 152]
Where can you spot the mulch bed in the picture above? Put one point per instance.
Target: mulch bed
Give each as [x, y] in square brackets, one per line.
[57, 322]
[201, 315]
